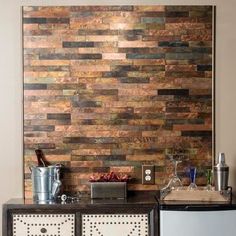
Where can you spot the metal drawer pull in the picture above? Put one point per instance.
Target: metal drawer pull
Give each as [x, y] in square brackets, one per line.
[43, 230]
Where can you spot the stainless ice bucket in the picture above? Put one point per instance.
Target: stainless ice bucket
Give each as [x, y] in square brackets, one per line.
[45, 183]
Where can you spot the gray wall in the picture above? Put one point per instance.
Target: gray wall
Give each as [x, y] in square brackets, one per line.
[11, 174]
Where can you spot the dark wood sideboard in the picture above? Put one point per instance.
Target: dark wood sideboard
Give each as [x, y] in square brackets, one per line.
[135, 216]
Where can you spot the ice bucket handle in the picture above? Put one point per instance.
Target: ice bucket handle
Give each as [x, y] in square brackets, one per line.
[30, 168]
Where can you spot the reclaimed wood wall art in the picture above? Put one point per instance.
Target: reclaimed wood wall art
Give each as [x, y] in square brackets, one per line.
[109, 88]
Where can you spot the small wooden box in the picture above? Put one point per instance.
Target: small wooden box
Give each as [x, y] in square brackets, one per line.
[109, 190]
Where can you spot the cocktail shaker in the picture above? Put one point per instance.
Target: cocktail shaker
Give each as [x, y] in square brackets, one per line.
[221, 173]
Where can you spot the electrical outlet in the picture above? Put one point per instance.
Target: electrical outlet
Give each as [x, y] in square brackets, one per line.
[148, 174]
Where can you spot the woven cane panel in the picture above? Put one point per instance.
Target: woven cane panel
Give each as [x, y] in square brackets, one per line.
[115, 225]
[43, 225]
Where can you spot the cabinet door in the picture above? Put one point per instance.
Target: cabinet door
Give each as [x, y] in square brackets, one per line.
[198, 223]
[43, 224]
[115, 225]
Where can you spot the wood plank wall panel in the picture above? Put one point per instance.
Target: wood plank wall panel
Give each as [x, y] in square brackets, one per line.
[109, 88]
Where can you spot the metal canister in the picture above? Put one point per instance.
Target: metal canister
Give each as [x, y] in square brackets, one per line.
[221, 174]
[45, 183]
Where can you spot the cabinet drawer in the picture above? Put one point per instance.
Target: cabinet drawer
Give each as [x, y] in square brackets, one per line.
[43, 225]
[115, 225]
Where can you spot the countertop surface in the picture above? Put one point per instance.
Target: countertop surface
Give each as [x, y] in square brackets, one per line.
[139, 198]
[142, 199]
[197, 206]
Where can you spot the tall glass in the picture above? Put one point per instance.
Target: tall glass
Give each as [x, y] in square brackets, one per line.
[209, 179]
[192, 175]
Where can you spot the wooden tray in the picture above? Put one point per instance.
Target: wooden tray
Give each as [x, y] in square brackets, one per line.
[199, 195]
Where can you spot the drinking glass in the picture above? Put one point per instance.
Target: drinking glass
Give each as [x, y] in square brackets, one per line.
[209, 179]
[175, 182]
[192, 175]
